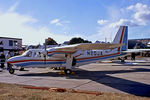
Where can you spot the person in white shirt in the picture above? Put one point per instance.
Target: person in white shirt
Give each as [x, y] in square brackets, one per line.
[7, 57]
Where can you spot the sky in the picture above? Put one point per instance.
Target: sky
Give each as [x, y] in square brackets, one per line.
[36, 20]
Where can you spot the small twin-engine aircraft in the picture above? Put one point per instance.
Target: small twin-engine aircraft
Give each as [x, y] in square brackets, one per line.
[71, 56]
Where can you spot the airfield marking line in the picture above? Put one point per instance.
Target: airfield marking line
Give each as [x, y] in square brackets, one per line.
[37, 79]
[86, 83]
[82, 84]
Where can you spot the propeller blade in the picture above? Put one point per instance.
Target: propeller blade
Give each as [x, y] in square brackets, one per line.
[45, 52]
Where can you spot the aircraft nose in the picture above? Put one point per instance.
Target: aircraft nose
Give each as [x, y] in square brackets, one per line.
[10, 60]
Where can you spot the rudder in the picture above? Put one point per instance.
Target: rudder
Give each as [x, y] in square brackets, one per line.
[122, 38]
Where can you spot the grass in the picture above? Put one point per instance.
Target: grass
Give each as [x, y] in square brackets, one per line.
[18, 92]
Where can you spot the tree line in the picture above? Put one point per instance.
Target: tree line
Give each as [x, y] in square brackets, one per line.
[74, 40]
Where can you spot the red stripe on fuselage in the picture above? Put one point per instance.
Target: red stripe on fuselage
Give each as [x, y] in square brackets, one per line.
[20, 61]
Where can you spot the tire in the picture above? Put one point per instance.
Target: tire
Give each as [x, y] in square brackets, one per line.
[11, 71]
[68, 71]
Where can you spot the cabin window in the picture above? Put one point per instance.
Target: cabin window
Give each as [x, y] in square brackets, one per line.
[10, 43]
[38, 54]
[29, 54]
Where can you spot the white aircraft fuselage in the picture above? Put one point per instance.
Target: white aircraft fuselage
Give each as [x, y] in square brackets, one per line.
[73, 55]
[82, 58]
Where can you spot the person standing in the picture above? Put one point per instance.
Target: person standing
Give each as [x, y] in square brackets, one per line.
[7, 57]
[2, 60]
[132, 56]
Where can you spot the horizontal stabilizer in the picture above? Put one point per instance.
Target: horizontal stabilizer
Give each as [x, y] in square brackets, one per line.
[135, 50]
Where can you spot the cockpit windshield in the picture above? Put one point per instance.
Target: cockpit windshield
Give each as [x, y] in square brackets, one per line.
[27, 53]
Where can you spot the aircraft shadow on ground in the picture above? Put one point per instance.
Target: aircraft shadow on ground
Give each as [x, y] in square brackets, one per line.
[131, 65]
[131, 61]
[103, 77]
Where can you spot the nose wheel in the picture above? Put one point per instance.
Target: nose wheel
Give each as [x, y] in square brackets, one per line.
[11, 70]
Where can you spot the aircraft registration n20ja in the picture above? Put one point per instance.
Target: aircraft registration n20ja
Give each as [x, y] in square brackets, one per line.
[71, 56]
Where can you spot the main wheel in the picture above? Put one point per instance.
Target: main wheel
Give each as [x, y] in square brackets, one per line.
[68, 71]
[11, 71]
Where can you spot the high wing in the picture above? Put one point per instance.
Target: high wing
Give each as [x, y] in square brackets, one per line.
[82, 47]
[135, 50]
[88, 46]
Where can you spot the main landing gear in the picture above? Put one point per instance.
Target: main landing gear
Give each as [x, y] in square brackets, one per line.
[70, 63]
[67, 71]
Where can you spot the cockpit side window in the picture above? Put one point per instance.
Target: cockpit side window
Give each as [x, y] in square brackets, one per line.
[38, 54]
[33, 54]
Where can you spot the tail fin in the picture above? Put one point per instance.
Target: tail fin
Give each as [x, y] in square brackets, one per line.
[122, 37]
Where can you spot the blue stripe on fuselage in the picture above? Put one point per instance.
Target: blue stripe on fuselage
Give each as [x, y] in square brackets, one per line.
[37, 63]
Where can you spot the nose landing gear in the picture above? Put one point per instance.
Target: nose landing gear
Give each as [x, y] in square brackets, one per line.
[10, 69]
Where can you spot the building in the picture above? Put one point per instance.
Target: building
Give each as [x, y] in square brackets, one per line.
[10, 44]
